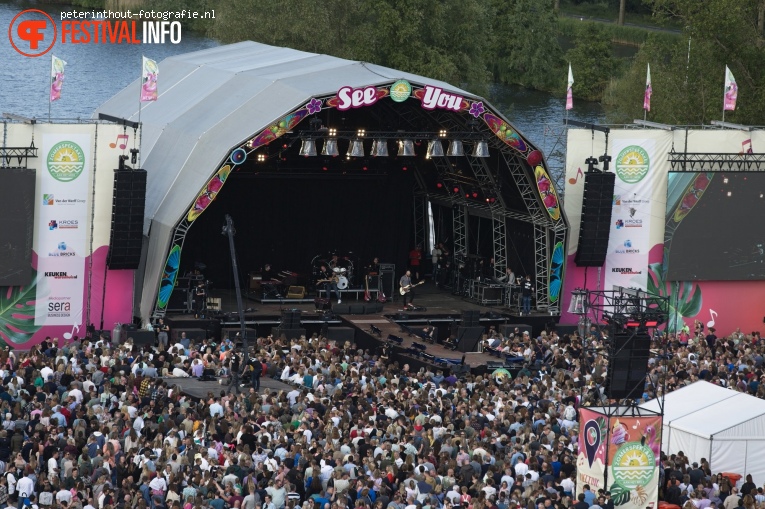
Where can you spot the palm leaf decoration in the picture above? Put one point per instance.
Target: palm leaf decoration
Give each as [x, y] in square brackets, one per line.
[619, 494]
[17, 312]
[684, 296]
[603, 429]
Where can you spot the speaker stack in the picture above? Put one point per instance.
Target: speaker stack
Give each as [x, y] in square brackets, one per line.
[128, 203]
[290, 324]
[628, 365]
[595, 225]
[470, 331]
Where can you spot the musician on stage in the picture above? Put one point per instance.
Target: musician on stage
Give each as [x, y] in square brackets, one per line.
[327, 278]
[415, 257]
[270, 282]
[268, 273]
[374, 267]
[406, 283]
[333, 261]
[526, 289]
[508, 278]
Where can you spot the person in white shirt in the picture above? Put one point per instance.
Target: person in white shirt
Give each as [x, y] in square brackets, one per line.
[216, 408]
[521, 468]
[158, 484]
[77, 393]
[64, 495]
[26, 486]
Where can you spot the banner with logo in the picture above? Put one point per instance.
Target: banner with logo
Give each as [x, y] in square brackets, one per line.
[62, 233]
[591, 461]
[629, 242]
[634, 457]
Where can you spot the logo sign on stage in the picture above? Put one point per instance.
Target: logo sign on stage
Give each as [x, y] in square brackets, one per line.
[61, 234]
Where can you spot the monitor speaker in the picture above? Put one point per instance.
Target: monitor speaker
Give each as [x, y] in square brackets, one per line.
[595, 225]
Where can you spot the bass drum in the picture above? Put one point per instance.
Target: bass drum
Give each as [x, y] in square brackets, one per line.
[342, 283]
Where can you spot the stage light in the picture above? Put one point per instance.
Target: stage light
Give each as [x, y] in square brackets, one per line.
[455, 149]
[361, 133]
[481, 149]
[405, 148]
[456, 189]
[725, 180]
[379, 148]
[308, 148]
[356, 149]
[261, 158]
[364, 168]
[475, 195]
[404, 168]
[439, 185]
[467, 195]
[491, 199]
[435, 149]
[760, 195]
[332, 132]
[442, 133]
[330, 148]
[324, 168]
[729, 194]
[284, 145]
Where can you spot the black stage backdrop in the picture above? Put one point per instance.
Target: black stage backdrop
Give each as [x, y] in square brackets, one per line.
[17, 218]
[288, 221]
[723, 237]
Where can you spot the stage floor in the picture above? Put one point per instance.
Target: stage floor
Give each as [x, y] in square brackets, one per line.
[438, 308]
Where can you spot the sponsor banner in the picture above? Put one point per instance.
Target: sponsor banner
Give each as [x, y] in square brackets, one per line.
[634, 457]
[629, 240]
[62, 234]
[591, 461]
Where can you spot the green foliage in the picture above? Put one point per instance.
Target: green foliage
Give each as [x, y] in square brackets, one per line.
[629, 35]
[592, 60]
[526, 50]
[684, 297]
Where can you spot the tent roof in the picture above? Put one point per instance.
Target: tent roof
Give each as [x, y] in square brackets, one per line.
[212, 100]
[705, 410]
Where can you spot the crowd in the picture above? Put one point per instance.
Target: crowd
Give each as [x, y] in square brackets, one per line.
[99, 425]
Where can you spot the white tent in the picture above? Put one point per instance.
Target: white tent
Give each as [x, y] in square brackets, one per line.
[724, 426]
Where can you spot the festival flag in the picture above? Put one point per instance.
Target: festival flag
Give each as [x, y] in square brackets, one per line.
[149, 74]
[56, 77]
[570, 89]
[731, 91]
[648, 91]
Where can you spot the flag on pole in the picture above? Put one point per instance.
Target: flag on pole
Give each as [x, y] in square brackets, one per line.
[731, 91]
[570, 90]
[648, 91]
[56, 77]
[149, 74]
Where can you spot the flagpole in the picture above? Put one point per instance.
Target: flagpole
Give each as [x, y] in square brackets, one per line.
[140, 85]
[725, 84]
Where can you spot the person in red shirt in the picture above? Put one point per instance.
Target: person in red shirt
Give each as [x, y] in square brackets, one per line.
[415, 257]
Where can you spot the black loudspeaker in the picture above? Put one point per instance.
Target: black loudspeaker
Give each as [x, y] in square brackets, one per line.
[128, 203]
[628, 365]
[290, 319]
[341, 334]
[471, 318]
[595, 225]
[142, 337]
[468, 337]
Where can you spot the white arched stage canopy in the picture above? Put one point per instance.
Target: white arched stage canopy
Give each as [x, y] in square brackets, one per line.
[236, 99]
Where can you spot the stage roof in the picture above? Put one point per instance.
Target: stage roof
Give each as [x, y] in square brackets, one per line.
[212, 100]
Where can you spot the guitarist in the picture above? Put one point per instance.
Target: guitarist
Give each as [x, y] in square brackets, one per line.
[328, 279]
[406, 285]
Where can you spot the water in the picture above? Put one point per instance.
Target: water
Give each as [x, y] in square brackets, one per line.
[95, 72]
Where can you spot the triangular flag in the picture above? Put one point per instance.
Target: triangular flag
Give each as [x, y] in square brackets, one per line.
[56, 77]
[149, 75]
[731, 91]
[569, 89]
[648, 91]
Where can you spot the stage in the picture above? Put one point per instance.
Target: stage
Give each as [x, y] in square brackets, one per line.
[370, 325]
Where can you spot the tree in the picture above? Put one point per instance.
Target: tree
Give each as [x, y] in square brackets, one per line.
[622, 10]
[592, 62]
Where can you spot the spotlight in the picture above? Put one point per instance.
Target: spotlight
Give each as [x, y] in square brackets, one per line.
[439, 185]
[442, 133]
[361, 133]
[467, 195]
[324, 168]
[455, 149]
[332, 132]
[356, 149]
[729, 194]
[725, 180]
[456, 189]
[330, 148]
[379, 148]
[404, 168]
[475, 195]
[405, 148]
[435, 149]
[308, 148]
[481, 149]
[261, 158]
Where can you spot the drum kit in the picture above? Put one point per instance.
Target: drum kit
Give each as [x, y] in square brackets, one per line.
[342, 268]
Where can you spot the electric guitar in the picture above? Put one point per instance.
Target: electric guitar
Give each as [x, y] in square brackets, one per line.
[405, 289]
[367, 297]
[333, 279]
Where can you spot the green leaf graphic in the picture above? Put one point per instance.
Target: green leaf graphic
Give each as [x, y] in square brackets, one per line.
[17, 312]
[619, 494]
